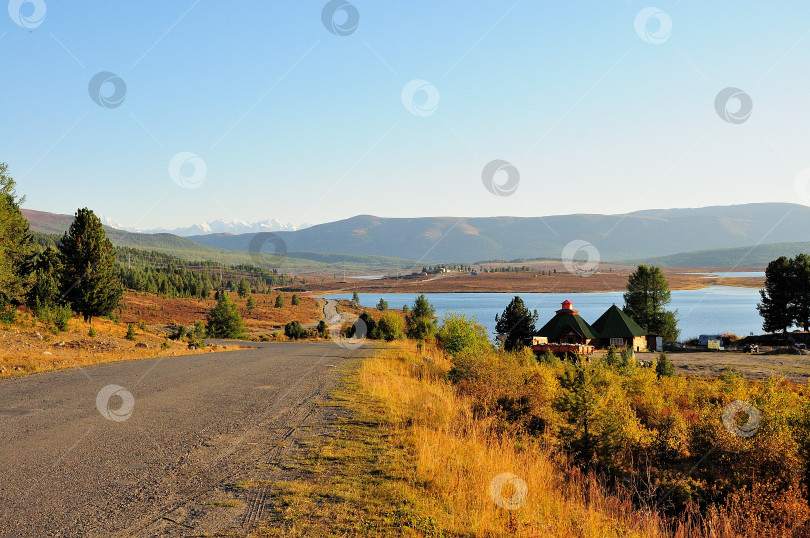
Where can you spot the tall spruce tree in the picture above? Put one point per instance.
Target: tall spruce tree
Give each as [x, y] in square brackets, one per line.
[89, 280]
[776, 307]
[16, 249]
[224, 320]
[646, 300]
[800, 283]
[44, 292]
[516, 324]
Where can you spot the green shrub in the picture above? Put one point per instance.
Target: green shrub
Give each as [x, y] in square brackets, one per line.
[390, 327]
[664, 366]
[61, 316]
[458, 333]
[370, 326]
[179, 334]
[322, 328]
[142, 326]
[196, 337]
[8, 313]
[92, 333]
[548, 358]
[611, 359]
[294, 330]
[130, 332]
[279, 301]
[295, 300]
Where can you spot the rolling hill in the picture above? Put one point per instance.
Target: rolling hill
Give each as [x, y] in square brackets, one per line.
[753, 256]
[720, 236]
[639, 235]
[55, 225]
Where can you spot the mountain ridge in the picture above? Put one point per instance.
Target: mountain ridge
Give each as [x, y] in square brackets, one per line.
[645, 234]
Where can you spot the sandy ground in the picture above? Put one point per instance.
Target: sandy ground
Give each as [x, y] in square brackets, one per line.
[796, 368]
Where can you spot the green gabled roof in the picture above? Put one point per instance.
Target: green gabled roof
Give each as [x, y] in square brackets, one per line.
[616, 324]
[560, 322]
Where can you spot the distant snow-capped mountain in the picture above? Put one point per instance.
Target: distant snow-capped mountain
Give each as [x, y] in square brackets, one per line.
[235, 227]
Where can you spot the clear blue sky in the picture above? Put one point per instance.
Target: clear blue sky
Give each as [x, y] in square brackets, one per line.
[296, 123]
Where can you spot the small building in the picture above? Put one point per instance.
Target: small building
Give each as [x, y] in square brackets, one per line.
[615, 328]
[567, 327]
[704, 339]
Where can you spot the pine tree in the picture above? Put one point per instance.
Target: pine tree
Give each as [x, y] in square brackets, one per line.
[777, 296]
[279, 301]
[646, 300]
[224, 320]
[89, 280]
[419, 321]
[517, 324]
[800, 283]
[16, 250]
[664, 366]
[243, 288]
[44, 292]
[295, 301]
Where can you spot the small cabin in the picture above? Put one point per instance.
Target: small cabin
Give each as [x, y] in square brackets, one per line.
[615, 328]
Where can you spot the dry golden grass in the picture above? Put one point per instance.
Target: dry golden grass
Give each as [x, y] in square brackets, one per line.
[154, 310]
[411, 459]
[29, 345]
[456, 457]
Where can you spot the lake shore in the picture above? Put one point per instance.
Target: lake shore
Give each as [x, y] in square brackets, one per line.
[544, 280]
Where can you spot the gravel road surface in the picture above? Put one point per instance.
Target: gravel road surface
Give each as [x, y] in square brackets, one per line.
[174, 446]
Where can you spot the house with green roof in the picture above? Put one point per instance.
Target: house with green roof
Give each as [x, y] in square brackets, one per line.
[567, 330]
[567, 327]
[615, 328]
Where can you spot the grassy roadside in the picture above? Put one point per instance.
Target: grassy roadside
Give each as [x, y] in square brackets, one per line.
[30, 345]
[409, 457]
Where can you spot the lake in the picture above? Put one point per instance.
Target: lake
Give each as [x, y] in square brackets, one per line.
[712, 310]
[733, 274]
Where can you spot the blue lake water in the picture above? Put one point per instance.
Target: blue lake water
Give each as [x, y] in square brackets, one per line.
[733, 274]
[712, 310]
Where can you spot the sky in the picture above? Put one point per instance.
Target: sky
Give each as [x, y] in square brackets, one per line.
[166, 114]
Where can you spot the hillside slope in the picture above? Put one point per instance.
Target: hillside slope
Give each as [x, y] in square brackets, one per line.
[643, 234]
[753, 256]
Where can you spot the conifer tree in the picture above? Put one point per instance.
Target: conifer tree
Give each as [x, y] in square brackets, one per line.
[16, 248]
[517, 324]
[224, 320]
[89, 281]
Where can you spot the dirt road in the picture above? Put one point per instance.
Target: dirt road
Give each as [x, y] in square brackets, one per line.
[175, 446]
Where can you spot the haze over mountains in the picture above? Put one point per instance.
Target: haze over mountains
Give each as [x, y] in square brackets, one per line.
[639, 235]
[216, 226]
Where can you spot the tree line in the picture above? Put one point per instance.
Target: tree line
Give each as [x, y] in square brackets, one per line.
[83, 272]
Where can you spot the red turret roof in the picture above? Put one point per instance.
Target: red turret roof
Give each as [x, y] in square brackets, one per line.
[568, 308]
